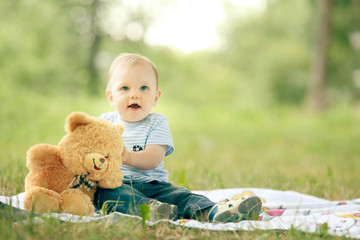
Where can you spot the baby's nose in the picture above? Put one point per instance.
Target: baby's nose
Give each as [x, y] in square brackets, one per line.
[134, 95]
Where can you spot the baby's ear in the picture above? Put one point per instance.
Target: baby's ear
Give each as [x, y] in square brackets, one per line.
[120, 128]
[110, 97]
[76, 119]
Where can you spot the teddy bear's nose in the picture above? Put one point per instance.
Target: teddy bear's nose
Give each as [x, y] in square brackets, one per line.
[102, 160]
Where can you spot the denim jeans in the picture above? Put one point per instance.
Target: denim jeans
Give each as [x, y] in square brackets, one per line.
[128, 197]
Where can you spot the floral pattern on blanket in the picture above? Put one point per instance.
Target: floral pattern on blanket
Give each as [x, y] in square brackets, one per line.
[286, 209]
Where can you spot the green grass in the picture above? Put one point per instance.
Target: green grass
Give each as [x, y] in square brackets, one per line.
[217, 146]
[52, 228]
[279, 148]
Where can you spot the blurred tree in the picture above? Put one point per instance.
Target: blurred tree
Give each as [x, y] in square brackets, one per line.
[66, 47]
[58, 46]
[116, 26]
[343, 57]
[316, 92]
[39, 46]
[272, 51]
[94, 81]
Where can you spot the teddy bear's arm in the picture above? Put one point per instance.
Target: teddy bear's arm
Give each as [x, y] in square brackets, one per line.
[42, 156]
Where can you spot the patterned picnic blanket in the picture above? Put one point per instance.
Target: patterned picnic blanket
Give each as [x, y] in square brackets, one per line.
[282, 210]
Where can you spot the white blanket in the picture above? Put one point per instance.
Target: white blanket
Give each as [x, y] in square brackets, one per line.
[282, 210]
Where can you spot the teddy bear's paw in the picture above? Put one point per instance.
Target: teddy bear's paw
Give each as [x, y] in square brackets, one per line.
[42, 200]
[75, 202]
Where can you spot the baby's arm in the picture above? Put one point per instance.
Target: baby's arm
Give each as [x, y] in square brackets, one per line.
[147, 159]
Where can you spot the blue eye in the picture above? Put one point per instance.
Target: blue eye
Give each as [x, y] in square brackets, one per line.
[144, 88]
[125, 88]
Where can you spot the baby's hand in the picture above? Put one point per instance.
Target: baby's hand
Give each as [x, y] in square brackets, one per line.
[125, 155]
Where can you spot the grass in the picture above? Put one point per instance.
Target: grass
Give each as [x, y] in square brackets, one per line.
[51, 228]
[278, 148]
[216, 147]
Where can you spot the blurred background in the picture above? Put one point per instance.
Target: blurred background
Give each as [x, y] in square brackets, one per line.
[274, 83]
[258, 51]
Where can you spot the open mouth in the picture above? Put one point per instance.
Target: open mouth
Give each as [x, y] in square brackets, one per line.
[96, 167]
[134, 106]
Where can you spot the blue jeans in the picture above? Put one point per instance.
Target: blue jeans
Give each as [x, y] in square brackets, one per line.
[128, 197]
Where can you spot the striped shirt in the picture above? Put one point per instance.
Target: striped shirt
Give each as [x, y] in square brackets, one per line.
[154, 129]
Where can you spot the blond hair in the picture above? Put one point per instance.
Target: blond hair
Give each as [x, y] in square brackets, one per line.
[131, 59]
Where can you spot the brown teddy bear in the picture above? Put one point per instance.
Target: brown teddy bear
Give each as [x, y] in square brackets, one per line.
[64, 178]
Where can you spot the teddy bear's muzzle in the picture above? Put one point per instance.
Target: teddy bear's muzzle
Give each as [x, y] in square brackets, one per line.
[95, 163]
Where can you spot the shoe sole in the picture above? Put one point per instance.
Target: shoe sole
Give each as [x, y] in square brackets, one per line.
[249, 209]
[174, 213]
[165, 211]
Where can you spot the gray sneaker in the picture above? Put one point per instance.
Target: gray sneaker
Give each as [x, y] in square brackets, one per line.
[245, 208]
[160, 210]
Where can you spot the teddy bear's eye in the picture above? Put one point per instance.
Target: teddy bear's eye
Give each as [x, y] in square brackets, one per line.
[107, 156]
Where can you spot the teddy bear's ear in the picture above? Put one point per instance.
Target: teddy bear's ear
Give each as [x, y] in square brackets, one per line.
[120, 128]
[76, 119]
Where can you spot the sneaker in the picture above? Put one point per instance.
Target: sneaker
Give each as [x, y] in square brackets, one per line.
[245, 208]
[160, 210]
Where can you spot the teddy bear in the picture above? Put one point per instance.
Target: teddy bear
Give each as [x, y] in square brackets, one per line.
[64, 178]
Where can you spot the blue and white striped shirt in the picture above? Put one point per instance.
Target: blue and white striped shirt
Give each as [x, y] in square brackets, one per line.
[154, 129]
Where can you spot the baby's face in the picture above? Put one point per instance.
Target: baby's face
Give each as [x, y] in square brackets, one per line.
[133, 91]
